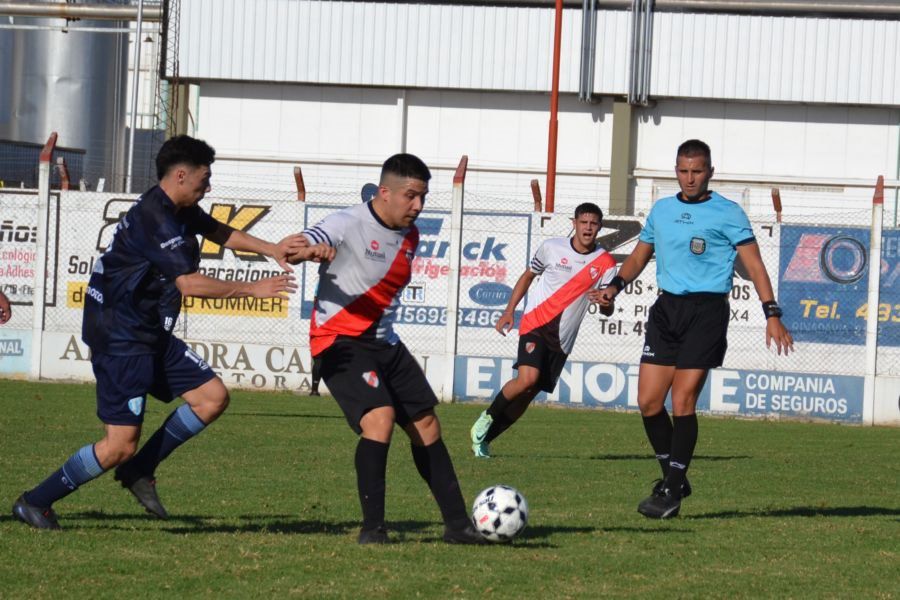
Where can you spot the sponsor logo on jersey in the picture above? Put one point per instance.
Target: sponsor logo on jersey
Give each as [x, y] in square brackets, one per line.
[648, 352]
[95, 294]
[685, 219]
[373, 255]
[135, 405]
[564, 261]
[698, 245]
[371, 378]
[529, 347]
[374, 245]
[171, 244]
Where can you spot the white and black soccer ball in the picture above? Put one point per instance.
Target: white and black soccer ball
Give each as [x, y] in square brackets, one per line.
[500, 513]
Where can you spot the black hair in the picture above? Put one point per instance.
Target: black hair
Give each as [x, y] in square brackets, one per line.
[588, 208]
[695, 148]
[405, 165]
[183, 149]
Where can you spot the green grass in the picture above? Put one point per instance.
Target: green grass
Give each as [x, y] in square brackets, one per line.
[264, 504]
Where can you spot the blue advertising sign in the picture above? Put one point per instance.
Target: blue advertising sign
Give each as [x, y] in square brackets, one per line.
[15, 352]
[823, 284]
[727, 391]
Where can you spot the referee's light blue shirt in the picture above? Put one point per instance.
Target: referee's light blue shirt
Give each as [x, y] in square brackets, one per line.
[696, 243]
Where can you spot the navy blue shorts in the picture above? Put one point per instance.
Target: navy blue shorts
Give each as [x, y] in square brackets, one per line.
[123, 382]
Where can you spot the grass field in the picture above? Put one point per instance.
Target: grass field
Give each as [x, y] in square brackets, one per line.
[264, 504]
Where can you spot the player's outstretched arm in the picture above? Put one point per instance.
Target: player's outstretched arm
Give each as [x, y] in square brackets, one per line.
[632, 267]
[775, 330]
[315, 253]
[5, 309]
[235, 239]
[506, 320]
[201, 286]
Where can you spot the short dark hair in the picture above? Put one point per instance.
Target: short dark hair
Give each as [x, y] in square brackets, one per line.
[588, 208]
[695, 148]
[405, 165]
[183, 149]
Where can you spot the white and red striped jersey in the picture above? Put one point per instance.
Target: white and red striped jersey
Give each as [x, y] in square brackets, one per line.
[557, 303]
[359, 290]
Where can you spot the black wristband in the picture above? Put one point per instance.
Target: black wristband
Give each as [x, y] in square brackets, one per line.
[771, 309]
[619, 283]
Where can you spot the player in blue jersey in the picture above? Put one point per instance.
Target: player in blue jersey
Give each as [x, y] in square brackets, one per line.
[696, 236]
[132, 301]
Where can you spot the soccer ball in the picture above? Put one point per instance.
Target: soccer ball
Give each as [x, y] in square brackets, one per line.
[500, 513]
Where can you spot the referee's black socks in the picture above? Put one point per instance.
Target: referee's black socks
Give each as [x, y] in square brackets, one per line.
[434, 465]
[684, 439]
[371, 466]
[659, 432]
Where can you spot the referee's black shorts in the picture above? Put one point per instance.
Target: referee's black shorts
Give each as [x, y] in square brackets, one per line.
[363, 376]
[687, 331]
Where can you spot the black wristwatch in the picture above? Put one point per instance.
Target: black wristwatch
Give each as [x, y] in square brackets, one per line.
[771, 309]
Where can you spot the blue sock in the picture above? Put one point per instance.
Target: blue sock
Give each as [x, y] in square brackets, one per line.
[81, 467]
[182, 425]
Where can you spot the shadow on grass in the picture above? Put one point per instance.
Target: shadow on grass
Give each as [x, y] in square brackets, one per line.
[803, 511]
[665, 530]
[232, 413]
[293, 525]
[612, 457]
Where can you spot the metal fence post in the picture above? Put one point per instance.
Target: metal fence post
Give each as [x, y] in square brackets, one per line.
[452, 327]
[40, 261]
[872, 304]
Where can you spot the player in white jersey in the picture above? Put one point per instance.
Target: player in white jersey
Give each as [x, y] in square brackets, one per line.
[569, 269]
[371, 374]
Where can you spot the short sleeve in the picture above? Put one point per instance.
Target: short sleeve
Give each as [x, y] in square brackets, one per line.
[329, 230]
[539, 260]
[201, 223]
[648, 234]
[608, 276]
[737, 228]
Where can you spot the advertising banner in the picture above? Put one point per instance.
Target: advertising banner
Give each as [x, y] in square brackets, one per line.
[15, 352]
[823, 281]
[727, 391]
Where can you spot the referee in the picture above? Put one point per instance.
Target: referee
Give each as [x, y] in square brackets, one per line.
[696, 236]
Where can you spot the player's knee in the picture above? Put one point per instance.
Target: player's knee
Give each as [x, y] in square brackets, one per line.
[529, 382]
[120, 452]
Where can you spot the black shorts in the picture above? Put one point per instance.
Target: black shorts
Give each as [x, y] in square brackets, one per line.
[363, 377]
[534, 352]
[687, 332]
[123, 382]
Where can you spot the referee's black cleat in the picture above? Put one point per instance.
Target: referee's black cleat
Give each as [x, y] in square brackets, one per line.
[466, 535]
[142, 487]
[661, 504]
[37, 517]
[685, 487]
[379, 535]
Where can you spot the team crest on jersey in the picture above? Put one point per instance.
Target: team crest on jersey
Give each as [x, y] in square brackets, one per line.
[136, 405]
[595, 272]
[371, 378]
[698, 245]
[529, 347]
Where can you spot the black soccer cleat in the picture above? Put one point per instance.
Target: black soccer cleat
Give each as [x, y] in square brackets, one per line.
[661, 504]
[685, 487]
[379, 535]
[142, 487]
[37, 517]
[467, 535]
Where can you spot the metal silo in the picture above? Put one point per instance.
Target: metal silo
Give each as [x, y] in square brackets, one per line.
[71, 82]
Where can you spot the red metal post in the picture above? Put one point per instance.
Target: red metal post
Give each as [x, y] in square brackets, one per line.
[554, 108]
[536, 194]
[301, 187]
[460, 175]
[776, 203]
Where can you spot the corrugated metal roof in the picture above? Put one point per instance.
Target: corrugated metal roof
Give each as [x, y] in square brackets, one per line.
[418, 45]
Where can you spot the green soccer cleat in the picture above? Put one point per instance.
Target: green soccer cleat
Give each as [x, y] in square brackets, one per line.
[479, 435]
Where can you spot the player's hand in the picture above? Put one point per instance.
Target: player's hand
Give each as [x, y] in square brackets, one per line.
[318, 253]
[504, 323]
[778, 333]
[278, 286]
[5, 309]
[287, 248]
[604, 297]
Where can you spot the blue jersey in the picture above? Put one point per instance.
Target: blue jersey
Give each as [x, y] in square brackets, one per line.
[696, 243]
[132, 302]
